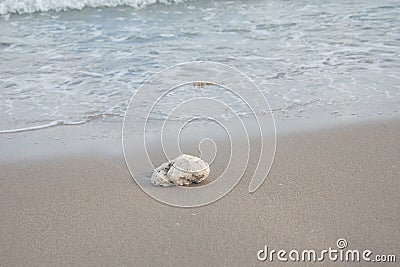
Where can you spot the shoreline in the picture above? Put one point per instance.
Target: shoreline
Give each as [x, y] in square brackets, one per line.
[103, 136]
[84, 208]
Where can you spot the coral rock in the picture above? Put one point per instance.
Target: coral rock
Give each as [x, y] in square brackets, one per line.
[184, 170]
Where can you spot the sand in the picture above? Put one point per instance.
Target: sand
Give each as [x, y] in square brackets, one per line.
[60, 205]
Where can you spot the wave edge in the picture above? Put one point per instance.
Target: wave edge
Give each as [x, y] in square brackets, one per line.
[33, 6]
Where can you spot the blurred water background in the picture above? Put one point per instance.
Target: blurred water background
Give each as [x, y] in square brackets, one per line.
[73, 61]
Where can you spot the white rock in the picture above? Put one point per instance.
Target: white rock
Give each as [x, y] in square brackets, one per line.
[184, 170]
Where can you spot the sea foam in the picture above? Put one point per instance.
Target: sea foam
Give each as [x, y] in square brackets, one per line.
[31, 6]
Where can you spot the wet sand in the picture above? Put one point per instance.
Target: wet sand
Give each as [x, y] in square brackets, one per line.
[60, 205]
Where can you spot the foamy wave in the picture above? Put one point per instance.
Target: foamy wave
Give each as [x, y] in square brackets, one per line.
[31, 6]
[59, 123]
[43, 126]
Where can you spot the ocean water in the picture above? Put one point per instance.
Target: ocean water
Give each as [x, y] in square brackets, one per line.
[71, 61]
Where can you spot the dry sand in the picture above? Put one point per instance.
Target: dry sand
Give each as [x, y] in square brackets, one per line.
[85, 209]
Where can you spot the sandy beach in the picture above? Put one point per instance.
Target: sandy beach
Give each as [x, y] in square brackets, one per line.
[62, 203]
[96, 94]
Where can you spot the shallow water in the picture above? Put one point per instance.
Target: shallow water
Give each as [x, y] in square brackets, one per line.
[307, 57]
